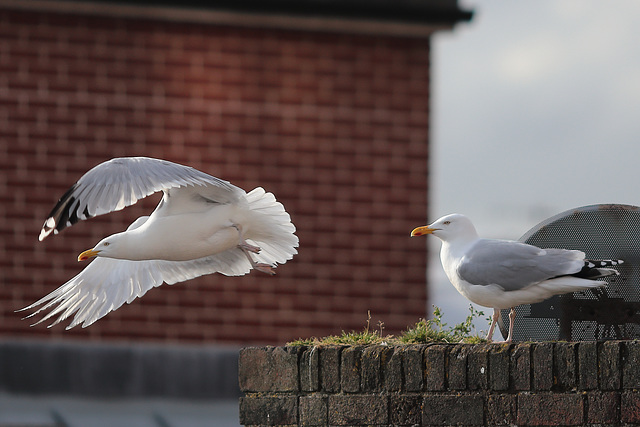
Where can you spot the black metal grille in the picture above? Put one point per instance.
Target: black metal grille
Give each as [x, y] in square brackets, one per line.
[602, 232]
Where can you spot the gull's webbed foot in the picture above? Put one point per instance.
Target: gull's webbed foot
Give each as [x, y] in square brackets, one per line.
[265, 268]
[243, 244]
[248, 247]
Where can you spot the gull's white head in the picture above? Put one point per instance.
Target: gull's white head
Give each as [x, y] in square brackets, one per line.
[107, 247]
[448, 228]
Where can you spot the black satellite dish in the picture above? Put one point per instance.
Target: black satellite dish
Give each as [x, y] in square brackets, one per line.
[613, 312]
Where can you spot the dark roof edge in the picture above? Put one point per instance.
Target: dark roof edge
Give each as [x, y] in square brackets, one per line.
[119, 369]
[443, 19]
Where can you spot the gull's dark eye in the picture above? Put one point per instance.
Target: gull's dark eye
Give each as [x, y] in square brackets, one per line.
[106, 243]
[447, 222]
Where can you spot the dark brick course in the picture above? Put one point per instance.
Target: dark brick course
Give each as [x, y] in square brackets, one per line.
[313, 410]
[521, 367]
[350, 369]
[412, 367]
[499, 367]
[546, 409]
[452, 409]
[371, 368]
[457, 363]
[630, 363]
[406, 410]
[330, 369]
[363, 409]
[526, 384]
[587, 366]
[435, 367]
[609, 365]
[309, 370]
[478, 368]
[393, 369]
[603, 408]
[278, 368]
[630, 408]
[270, 411]
[565, 365]
[501, 409]
[543, 366]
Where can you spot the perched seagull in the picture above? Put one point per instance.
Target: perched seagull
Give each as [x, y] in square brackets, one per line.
[502, 274]
[202, 225]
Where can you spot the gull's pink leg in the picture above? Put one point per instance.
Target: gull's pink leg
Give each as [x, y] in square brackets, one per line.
[260, 266]
[512, 318]
[265, 268]
[243, 243]
[246, 246]
[496, 315]
[247, 249]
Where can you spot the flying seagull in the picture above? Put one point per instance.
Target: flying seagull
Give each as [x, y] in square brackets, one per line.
[202, 225]
[503, 274]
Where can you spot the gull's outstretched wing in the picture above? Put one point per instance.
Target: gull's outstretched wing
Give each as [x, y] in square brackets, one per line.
[107, 283]
[121, 182]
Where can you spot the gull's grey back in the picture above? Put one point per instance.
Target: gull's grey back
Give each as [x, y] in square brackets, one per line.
[608, 231]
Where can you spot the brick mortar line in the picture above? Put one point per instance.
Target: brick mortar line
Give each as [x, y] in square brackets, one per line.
[520, 408]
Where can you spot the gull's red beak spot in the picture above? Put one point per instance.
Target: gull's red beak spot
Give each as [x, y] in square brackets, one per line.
[421, 231]
[90, 253]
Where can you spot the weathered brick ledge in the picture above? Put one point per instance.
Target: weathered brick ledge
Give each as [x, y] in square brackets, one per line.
[585, 383]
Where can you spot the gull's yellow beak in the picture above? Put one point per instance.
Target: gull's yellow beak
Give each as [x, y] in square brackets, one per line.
[89, 253]
[421, 231]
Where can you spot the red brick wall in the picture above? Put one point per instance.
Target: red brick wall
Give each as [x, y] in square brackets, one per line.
[336, 126]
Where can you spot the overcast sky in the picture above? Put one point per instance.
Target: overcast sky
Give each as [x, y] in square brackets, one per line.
[536, 110]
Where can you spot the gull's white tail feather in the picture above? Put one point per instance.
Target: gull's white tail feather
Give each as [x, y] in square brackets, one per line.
[271, 228]
[567, 284]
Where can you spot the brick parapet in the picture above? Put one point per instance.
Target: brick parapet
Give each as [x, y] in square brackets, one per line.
[587, 383]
